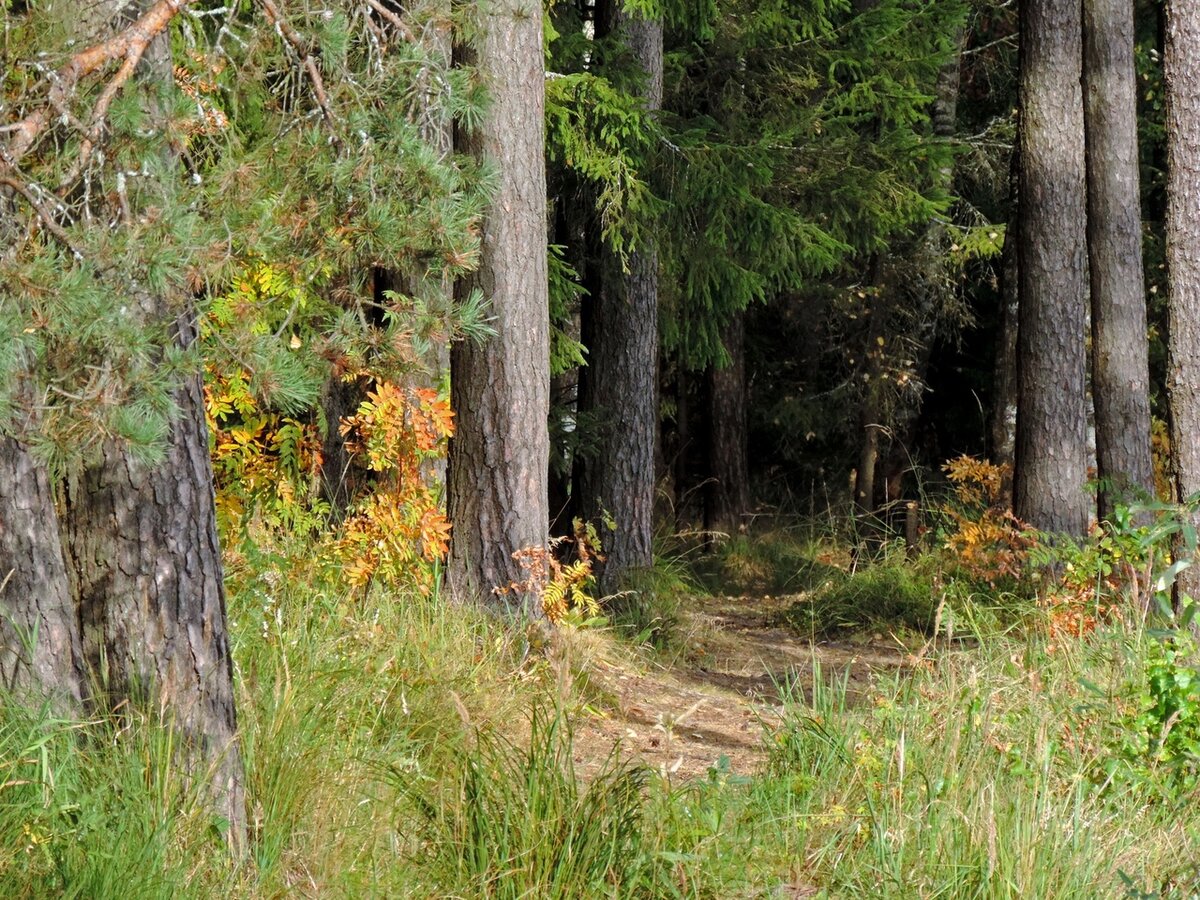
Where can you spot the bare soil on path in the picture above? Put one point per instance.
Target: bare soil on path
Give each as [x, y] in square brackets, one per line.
[725, 690]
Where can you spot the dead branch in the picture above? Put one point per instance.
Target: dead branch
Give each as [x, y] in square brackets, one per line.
[129, 45]
[294, 40]
[396, 22]
[44, 215]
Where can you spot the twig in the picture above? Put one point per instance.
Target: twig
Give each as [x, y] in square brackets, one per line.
[46, 217]
[396, 22]
[294, 40]
[129, 45]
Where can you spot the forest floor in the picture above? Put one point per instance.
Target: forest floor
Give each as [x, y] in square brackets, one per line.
[717, 696]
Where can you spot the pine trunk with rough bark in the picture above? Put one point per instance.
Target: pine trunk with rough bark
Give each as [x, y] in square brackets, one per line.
[1120, 348]
[145, 565]
[1182, 70]
[622, 370]
[40, 653]
[727, 499]
[500, 390]
[1052, 452]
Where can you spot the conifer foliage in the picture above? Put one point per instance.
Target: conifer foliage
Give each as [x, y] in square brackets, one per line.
[147, 166]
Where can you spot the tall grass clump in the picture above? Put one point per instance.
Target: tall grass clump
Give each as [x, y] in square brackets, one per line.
[514, 820]
[893, 593]
[99, 809]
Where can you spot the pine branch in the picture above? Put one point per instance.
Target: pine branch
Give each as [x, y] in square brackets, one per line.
[129, 45]
[294, 40]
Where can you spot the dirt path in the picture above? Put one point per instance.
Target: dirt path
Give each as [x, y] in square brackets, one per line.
[682, 719]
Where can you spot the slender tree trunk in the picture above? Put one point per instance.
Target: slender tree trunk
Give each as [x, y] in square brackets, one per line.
[1004, 393]
[681, 481]
[870, 413]
[1182, 69]
[727, 499]
[1052, 455]
[1120, 348]
[40, 654]
[338, 399]
[145, 564]
[623, 366]
[501, 390]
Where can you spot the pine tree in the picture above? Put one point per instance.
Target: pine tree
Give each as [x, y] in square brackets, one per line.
[141, 194]
[1051, 458]
[501, 387]
[1120, 351]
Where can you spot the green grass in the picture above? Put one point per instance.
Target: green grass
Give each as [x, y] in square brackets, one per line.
[401, 747]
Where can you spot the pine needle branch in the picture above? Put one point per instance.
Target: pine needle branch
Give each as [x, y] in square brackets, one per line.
[129, 45]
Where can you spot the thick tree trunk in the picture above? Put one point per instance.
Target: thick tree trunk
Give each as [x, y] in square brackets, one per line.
[1182, 69]
[501, 390]
[622, 370]
[1052, 455]
[40, 654]
[145, 565]
[1004, 391]
[144, 562]
[727, 499]
[1120, 348]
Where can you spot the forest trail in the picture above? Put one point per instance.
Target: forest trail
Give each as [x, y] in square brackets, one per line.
[681, 719]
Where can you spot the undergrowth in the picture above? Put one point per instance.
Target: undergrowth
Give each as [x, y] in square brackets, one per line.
[399, 746]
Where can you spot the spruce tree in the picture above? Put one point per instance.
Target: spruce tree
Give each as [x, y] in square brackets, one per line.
[619, 389]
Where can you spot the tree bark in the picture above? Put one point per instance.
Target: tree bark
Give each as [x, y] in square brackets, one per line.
[1052, 455]
[40, 653]
[145, 564]
[728, 496]
[1181, 60]
[1120, 348]
[623, 366]
[501, 390]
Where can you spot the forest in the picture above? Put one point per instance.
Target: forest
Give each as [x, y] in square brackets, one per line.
[610, 448]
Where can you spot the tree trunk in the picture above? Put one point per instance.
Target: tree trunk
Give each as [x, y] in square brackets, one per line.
[501, 389]
[1004, 390]
[870, 412]
[145, 564]
[338, 399]
[40, 654]
[623, 368]
[728, 496]
[1052, 456]
[1182, 69]
[1120, 348]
